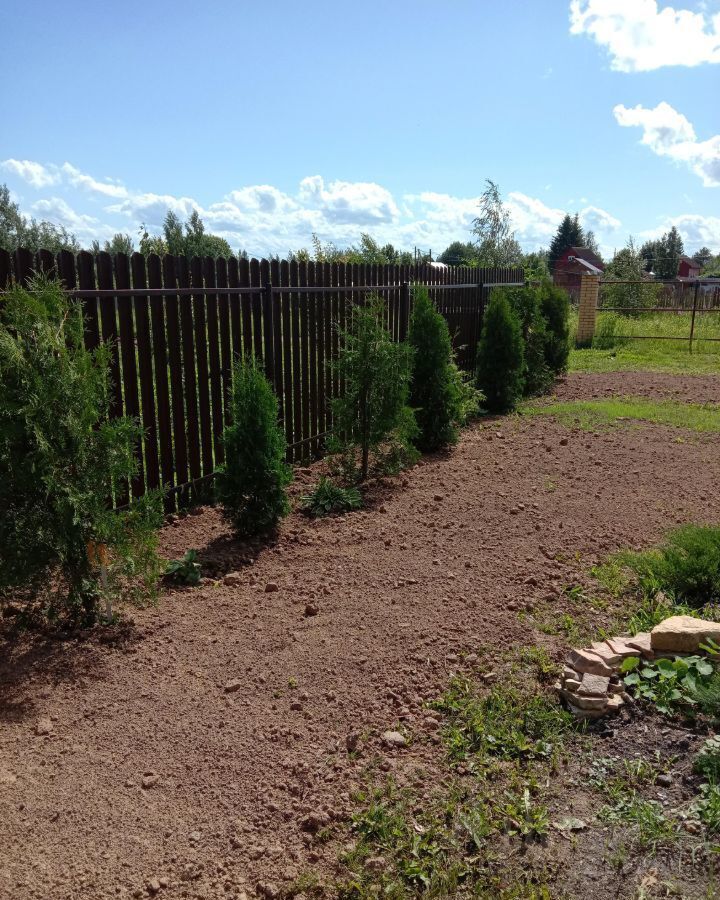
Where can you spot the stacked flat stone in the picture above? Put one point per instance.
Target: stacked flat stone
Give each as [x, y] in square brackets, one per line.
[590, 683]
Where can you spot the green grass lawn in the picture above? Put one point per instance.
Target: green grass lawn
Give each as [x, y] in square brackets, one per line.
[597, 414]
[648, 355]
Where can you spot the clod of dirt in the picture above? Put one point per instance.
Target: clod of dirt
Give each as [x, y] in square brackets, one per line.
[311, 609]
[271, 587]
[232, 579]
[233, 685]
[394, 739]
[44, 726]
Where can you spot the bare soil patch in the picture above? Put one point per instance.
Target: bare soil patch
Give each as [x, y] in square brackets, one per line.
[197, 751]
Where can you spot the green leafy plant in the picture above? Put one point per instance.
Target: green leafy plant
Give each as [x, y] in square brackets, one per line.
[434, 394]
[62, 461]
[251, 485]
[500, 356]
[372, 417]
[707, 807]
[328, 497]
[669, 684]
[186, 570]
[707, 762]
[524, 816]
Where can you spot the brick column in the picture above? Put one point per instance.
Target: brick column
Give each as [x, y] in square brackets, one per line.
[589, 289]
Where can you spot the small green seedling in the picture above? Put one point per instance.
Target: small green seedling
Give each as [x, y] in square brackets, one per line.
[185, 570]
[328, 498]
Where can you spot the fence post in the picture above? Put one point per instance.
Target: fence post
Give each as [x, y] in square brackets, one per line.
[694, 310]
[587, 312]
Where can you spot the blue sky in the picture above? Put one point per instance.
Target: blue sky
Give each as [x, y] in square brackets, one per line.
[281, 119]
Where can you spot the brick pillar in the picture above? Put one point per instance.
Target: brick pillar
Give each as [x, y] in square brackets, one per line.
[589, 289]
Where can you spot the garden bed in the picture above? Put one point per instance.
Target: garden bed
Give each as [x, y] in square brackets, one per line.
[202, 750]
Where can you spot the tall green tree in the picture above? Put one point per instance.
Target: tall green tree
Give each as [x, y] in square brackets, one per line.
[496, 242]
[569, 234]
[32, 234]
[459, 253]
[703, 256]
[120, 243]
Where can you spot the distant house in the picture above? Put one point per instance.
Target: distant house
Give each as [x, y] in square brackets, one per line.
[572, 265]
[688, 268]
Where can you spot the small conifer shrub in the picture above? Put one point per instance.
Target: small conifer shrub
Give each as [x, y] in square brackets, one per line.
[373, 425]
[63, 549]
[435, 394]
[500, 356]
[555, 308]
[251, 484]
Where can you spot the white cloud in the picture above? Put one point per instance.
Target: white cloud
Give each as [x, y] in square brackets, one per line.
[266, 219]
[58, 211]
[33, 173]
[668, 133]
[80, 179]
[696, 231]
[349, 202]
[640, 37]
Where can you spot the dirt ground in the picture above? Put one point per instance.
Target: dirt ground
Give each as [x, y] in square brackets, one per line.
[193, 746]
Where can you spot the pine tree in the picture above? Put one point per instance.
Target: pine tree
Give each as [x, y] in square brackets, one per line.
[434, 392]
[500, 356]
[569, 234]
[251, 483]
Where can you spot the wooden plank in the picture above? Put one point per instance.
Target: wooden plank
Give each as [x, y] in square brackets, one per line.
[274, 276]
[24, 265]
[246, 308]
[86, 282]
[175, 365]
[285, 325]
[225, 336]
[256, 300]
[162, 390]
[305, 359]
[45, 263]
[320, 356]
[190, 372]
[109, 331]
[313, 445]
[129, 367]
[66, 270]
[201, 357]
[5, 270]
[296, 368]
[268, 344]
[141, 310]
[213, 344]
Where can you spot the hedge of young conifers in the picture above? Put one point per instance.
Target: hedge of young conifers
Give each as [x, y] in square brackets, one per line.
[66, 554]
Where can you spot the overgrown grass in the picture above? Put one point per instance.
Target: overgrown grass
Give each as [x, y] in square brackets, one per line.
[502, 744]
[685, 567]
[594, 415]
[649, 355]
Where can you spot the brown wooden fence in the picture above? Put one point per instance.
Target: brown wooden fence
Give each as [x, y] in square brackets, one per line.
[177, 325]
